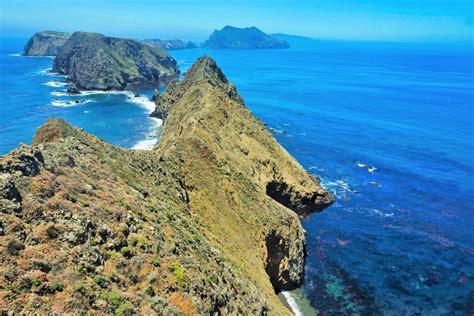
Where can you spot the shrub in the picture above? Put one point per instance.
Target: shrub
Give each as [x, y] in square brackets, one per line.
[78, 287]
[149, 290]
[100, 280]
[126, 252]
[125, 309]
[14, 247]
[115, 299]
[155, 262]
[178, 271]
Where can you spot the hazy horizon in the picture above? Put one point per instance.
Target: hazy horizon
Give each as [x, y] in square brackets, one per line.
[369, 20]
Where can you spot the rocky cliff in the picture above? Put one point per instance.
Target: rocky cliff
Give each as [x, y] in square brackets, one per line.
[174, 44]
[206, 223]
[45, 43]
[249, 37]
[95, 62]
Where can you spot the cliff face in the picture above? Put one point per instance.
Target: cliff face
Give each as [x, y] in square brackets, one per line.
[95, 62]
[204, 223]
[45, 43]
[174, 44]
[249, 37]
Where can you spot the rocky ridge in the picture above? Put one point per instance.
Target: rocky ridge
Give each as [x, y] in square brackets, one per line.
[45, 43]
[86, 226]
[95, 62]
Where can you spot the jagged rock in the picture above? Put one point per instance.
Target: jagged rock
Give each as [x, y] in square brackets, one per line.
[218, 186]
[155, 95]
[45, 43]
[249, 37]
[73, 90]
[95, 62]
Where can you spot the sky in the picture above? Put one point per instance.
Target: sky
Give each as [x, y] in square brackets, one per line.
[373, 20]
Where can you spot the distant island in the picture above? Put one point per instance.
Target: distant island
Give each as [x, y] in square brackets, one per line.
[247, 38]
[173, 44]
[45, 43]
[93, 61]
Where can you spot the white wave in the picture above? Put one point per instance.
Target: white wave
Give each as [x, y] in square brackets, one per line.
[16, 55]
[152, 137]
[49, 72]
[363, 165]
[146, 144]
[144, 102]
[56, 84]
[372, 169]
[292, 302]
[59, 93]
[66, 104]
[380, 213]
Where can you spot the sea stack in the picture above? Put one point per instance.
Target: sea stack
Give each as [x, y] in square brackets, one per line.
[205, 223]
[45, 43]
[243, 38]
[95, 62]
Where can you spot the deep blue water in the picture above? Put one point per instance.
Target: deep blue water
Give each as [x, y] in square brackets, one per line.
[399, 239]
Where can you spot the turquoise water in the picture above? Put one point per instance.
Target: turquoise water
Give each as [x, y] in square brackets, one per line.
[388, 128]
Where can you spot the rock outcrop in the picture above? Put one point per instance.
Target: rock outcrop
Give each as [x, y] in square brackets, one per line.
[45, 43]
[95, 62]
[174, 44]
[249, 37]
[190, 227]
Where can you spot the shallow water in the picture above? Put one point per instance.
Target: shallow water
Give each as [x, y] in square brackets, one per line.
[388, 128]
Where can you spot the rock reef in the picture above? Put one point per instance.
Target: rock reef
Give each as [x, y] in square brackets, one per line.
[95, 62]
[249, 37]
[45, 43]
[206, 223]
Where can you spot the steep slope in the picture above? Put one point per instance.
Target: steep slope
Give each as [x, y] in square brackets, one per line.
[249, 37]
[196, 226]
[93, 61]
[45, 43]
[174, 44]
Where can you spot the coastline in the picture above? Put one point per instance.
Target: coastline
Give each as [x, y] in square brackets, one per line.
[297, 303]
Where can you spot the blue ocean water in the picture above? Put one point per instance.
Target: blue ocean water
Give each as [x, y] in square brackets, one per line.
[388, 128]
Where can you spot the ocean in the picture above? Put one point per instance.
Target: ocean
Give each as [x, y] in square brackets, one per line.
[388, 128]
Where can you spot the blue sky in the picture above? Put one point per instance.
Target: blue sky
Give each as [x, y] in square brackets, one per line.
[380, 20]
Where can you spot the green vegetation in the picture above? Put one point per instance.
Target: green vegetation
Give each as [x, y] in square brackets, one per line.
[100, 281]
[178, 271]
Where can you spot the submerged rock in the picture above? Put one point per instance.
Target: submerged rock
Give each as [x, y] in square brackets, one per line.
[73, 90]
[95, 62]
[45, 43]
[206, 223]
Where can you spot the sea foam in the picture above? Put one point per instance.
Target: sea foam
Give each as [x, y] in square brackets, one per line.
[67, 104]
[56, 84]
[292, 302]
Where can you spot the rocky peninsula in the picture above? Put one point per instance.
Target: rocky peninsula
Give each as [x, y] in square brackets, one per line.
[45, 43]
[174, 44]
[206, 223]
[243, 38]
[93, 61]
